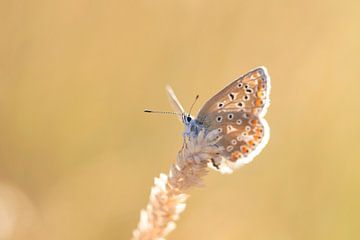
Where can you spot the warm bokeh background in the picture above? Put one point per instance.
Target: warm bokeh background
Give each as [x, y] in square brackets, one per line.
[78, 155]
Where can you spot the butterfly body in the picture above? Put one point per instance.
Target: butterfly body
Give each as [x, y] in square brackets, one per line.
[192, 126]
[236, 114]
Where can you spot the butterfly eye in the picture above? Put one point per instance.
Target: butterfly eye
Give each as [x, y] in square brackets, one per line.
[188, 119]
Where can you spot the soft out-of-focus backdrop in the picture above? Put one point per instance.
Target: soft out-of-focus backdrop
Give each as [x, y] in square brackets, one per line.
[78, 155]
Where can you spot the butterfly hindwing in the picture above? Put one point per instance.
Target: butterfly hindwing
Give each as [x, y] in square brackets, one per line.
[242, 135]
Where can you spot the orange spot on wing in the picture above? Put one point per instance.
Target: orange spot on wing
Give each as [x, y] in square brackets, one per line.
[257, 137]
[259, 130]
[260, 93]
[244, 149]
[254, 122]
[259, 102]
[251, 143]
[235, 156]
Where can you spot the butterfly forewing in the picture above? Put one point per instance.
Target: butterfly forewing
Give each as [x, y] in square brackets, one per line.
[249, 93]
[178, 108]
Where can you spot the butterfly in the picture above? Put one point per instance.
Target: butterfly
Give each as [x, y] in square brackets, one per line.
[237, 114]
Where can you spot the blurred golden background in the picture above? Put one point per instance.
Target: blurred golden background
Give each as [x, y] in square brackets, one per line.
[78, 155]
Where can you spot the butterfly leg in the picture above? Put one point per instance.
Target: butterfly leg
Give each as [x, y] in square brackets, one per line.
[214, 164]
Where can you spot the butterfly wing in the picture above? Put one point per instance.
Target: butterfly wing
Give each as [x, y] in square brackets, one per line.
[249, 93]
[237, 113]
[174, 101]
[242, 136]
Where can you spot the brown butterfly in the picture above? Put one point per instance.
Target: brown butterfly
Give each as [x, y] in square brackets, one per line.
[237, 114]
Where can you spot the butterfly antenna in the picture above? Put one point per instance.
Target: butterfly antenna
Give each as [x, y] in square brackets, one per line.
[162, 112]
[192, 105]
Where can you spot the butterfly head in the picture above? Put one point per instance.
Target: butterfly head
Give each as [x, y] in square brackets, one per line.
[192, 126]
[186, 118]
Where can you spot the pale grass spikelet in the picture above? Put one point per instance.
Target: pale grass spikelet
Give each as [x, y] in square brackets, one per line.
[168, 197]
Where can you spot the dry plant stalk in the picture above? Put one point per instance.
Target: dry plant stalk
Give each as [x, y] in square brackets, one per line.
[168, 197]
